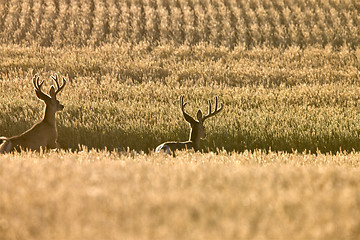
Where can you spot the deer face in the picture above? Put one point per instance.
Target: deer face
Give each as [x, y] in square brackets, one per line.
[199, 129]
[54, 103]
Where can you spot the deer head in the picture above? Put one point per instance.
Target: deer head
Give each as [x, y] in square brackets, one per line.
[197, 129]
[50, 101]
[197, 126]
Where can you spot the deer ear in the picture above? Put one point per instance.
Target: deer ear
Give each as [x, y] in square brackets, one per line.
[199, 115]
[52, 92]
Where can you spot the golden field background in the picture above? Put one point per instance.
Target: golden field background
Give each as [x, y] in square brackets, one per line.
[280, 161]
[228, 23]
[282, 100]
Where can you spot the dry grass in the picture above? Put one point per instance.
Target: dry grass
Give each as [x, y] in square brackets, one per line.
[102, 195]
[125, 97]
[287, 72]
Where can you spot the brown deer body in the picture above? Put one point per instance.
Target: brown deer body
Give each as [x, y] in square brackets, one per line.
[43, 134]
[196, 133]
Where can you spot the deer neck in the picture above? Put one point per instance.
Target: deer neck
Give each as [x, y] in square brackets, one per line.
[194, 139]
[49, 116]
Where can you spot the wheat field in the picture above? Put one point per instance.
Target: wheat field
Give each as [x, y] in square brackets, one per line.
[103, 195]
[281, 161]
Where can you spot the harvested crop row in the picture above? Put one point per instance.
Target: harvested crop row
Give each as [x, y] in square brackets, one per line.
[228, 23]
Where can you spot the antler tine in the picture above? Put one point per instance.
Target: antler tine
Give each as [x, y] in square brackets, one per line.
[36, 81]
[187, 117]
[209, 102]
[37, 87]
[216, 101]
[182, 104]
[216, 111]
[55, 78]
[59, 88]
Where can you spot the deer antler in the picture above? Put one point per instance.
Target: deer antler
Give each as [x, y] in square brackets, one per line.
[187, 117]
[59, 88]
[37, 86]
[216, 111]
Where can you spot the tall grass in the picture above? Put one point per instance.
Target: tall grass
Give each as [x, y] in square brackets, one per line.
[201, 64]
[125, 97]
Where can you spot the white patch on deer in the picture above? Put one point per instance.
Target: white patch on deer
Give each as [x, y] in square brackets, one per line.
[163, 147]
[5, 147]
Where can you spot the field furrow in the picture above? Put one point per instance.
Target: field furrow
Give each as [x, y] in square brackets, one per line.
[272, 23]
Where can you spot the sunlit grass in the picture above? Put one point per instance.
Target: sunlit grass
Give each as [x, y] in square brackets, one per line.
[98, 195]
[286, 103]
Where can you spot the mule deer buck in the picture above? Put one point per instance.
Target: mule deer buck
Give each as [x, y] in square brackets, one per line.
[197, 129]
[43, 134]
